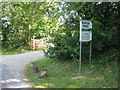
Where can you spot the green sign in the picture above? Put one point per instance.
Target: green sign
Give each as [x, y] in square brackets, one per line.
[86, 24]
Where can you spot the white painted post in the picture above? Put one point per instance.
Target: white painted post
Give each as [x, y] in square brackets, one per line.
[90, 55]
[80, 46]
[90, 49]
[33, 44]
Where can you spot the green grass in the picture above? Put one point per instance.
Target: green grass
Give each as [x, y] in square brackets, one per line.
[60, 73]
[13, 51]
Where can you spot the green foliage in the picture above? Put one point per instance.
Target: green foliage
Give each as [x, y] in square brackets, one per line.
[109, 56]
[98, 36]
[13, 51]
[105, 27]
[37, 20]
[26, 19]
[60, 74]
[64, 46]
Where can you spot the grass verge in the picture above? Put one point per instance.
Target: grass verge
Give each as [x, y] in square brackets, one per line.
[13, 51]
[60, 74]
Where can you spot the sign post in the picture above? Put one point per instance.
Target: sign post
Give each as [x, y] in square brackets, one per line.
[85, 36]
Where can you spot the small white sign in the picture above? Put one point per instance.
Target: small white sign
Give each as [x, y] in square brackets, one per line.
[85, 36]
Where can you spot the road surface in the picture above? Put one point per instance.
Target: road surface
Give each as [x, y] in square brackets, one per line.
[13, 68]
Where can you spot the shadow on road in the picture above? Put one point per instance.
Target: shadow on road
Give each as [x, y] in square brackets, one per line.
[9, 80]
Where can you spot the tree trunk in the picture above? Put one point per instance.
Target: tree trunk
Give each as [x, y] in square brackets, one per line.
[29, 37]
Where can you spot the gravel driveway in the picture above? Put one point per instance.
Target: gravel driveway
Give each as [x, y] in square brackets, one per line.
[13, 67]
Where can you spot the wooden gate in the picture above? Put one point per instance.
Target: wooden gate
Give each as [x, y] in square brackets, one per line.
[38, 43]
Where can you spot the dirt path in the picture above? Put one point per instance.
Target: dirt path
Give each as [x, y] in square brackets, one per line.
[13, 67]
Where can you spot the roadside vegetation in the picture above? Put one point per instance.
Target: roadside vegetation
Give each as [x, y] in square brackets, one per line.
[62, 74]
[13, 51]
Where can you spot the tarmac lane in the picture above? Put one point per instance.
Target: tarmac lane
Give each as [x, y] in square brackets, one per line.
[13, 67]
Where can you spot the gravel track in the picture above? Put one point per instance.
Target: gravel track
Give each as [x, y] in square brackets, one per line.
[13, 67]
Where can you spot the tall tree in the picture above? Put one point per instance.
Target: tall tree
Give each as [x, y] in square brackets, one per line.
[104, 17]
[26, 19]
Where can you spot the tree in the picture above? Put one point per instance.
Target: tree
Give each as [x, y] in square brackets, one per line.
[26, 20]
[104, 17]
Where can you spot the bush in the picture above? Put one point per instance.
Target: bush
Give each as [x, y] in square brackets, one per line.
[64, 47]
[67, 47]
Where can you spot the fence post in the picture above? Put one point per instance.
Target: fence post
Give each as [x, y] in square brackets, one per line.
[33, 44]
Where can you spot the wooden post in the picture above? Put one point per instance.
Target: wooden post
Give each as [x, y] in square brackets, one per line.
[33, 44]
[29, 38]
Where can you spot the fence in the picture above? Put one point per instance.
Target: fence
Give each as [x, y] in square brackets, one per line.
[36, 44]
